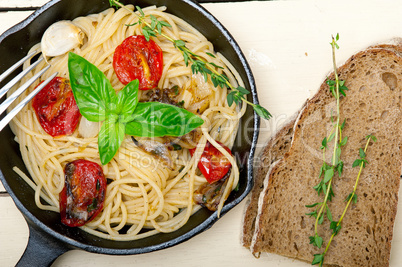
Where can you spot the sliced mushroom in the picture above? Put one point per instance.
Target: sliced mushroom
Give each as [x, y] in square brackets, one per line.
[209, 195]
[156, 149]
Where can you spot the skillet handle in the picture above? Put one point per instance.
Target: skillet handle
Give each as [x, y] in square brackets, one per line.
[42, 249]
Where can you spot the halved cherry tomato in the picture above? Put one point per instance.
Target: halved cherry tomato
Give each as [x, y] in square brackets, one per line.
[56, 109]
[213, 164]
[83, 195]
[137, 58]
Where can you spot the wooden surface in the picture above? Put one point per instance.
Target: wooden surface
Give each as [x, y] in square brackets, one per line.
[287, 46]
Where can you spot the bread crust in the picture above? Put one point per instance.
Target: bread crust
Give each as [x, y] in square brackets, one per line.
[372, 106]
[274, 149]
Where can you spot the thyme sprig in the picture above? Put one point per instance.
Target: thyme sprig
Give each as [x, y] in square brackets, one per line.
[328, 171]
[336, 226]
[337, 88]
[237, 95]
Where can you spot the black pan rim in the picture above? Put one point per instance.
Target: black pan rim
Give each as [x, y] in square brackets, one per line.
[201, 227]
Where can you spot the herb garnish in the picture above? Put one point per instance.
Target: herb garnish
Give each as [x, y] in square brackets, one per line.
[337, 88]
[122, 113]
[198, 64]
[336, 226]
[93, 205]
[327, 171]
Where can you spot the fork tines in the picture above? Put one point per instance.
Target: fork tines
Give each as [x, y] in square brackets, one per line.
[22, 88]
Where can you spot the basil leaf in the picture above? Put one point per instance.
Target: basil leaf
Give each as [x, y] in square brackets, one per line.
[127, 98]
[154, 119]
[110, 137]
[93, 92]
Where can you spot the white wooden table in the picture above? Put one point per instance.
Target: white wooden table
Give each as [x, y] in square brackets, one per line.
[287, 45]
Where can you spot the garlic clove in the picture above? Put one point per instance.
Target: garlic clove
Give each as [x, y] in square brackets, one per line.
[201, 88]
[60, 38]
[88, 129]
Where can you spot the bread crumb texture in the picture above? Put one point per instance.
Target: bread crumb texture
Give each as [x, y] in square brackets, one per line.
[274, 150]
[371, 106]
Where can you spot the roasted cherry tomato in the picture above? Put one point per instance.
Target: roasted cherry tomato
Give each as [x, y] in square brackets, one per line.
[83, 195]
[137, 58]
[56, 108]
[213, 164]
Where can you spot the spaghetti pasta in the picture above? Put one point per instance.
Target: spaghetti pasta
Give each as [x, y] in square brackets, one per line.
[144, 196]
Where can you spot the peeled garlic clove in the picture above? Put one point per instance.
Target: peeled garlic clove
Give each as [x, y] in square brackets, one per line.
[60, 38]
[201, 88]
[88, 129]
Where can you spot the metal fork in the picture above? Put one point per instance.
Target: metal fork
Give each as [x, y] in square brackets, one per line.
[22, 88]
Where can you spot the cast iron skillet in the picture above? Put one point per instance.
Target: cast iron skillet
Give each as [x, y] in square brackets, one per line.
[48, 237]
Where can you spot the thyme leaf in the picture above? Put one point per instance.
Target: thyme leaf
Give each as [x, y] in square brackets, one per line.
[198, 63]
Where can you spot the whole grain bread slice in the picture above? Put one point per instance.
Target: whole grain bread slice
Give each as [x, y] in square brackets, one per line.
[372, 106]
[273, 150]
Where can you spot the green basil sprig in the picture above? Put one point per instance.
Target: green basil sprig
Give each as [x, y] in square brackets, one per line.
[121, 113]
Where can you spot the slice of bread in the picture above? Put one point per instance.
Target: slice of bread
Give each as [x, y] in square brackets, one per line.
[371, 106]
[274, 150]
